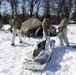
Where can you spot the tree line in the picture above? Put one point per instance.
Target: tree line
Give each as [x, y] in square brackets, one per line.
[38, 8]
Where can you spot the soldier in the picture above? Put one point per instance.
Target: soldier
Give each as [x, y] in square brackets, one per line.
[16, 25]
[46, 27]
[63, 29]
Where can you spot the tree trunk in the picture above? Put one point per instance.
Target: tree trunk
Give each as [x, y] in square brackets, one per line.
[12, 6]
[37, 13]
[47, 8]
[23, 9]
[0, 9]
[0, 15]
[16, 6]
[31, 10]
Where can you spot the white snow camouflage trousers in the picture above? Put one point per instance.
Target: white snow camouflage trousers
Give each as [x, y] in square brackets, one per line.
[46, 34]
[16, 32]
[63, 37]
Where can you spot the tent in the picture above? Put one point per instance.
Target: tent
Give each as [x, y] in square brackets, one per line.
[30, 26]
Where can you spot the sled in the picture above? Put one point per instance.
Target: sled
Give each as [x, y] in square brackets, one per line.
[30, 64]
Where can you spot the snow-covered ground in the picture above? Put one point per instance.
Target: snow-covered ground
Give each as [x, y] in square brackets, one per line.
[63, 60]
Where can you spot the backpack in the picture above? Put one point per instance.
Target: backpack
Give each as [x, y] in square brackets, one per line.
[41, 46]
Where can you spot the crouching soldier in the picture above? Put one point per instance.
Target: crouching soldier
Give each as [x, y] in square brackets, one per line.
[63, 29]
[16, 25]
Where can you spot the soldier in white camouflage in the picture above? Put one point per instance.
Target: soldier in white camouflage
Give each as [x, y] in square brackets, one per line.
[46, 27]
[63, 29]
[16, 25]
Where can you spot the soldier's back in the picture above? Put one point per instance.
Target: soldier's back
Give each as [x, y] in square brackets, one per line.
[46, 24]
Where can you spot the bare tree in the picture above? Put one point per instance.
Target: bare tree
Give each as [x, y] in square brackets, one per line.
[75, 4]
[74, 13]
[0, 14]
[66, 6]
[24, 9]
[32, 4]
[14, 5]
[0, 6]
[62, 6]
[47, 8]
[39, 5]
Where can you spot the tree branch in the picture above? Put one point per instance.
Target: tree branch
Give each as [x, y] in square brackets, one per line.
[29, 1]
[35, 2]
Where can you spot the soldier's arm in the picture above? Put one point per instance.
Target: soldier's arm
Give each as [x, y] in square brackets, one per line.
[12, 23]
[60, 28]
[43, 23]
[20, 23]
[63, 24]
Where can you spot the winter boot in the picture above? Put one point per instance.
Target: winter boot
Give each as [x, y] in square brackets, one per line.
[21, 42]
[12, 44]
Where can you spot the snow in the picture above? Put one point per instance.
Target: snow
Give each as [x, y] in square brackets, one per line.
[11, 58]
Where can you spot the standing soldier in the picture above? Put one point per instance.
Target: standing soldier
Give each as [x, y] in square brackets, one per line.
[46, 27]
[63, 29]
[16, 25]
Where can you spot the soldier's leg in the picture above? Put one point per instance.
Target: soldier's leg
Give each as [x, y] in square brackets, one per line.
[19, 35]
[44, 35]
[13, 38]
[61, 38]
[65, 37]
[47, 46]
[48, 32]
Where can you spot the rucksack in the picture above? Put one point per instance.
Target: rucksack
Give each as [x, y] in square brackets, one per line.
[41, 46]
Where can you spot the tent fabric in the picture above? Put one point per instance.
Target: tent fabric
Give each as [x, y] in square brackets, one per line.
[30, 24]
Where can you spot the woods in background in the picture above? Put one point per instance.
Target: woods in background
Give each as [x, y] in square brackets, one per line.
[38, 8]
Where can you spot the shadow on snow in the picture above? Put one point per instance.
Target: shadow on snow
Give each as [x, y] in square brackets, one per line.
[57, 57]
